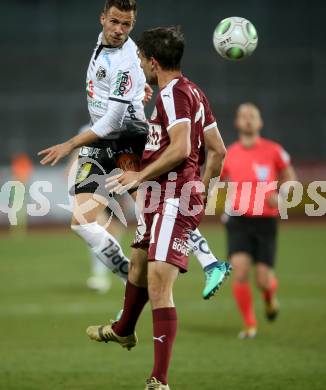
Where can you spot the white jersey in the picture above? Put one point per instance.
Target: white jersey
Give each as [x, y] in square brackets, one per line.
[114, 76]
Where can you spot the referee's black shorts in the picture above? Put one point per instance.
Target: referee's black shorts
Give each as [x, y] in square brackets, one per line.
[253, 235]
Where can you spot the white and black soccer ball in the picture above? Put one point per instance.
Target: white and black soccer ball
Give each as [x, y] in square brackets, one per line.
[235, 38]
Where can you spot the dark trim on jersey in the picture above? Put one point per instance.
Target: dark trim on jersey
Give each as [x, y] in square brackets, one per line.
[99, 49]
[120, 100]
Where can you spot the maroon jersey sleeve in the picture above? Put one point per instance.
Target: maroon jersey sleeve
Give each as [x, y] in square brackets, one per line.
[282, 158]
[209, 118]
[177, 106]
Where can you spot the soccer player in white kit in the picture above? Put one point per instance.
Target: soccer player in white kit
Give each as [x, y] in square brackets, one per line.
[116, 138]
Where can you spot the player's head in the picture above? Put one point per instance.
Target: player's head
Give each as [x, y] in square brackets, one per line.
[160, 49]
[248, 120]
[118, 19]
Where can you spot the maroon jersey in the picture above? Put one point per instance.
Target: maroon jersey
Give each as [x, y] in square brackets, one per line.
[180, 101]
[209, 122]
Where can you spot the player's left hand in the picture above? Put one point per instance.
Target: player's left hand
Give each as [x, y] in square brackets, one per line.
[273, 200]
[55, 153]
[148, 94]
[123, 182]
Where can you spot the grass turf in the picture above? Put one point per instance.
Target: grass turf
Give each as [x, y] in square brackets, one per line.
[45, 309]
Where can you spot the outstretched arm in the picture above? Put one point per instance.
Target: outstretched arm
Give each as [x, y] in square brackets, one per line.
[216, 152]
[178, 150]
[55, 153]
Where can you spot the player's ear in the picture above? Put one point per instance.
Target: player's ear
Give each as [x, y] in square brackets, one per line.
[154, 64]
[261, 124]
[102, 18]
[235, 123]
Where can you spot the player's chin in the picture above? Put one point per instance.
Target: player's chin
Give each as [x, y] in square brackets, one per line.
[116, 42]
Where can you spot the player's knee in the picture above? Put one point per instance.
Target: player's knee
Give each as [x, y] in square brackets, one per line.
[159, 294]
[262, 282]
[240, 274]
[137, 273]
[155, 291]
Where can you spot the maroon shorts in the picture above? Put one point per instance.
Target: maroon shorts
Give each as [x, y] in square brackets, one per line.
[166, 232]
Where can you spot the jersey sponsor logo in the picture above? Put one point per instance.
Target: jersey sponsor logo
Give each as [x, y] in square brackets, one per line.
[123, 84]
[262, 172]
[180, 246]
[90, 88]
[110, 152]
[95, 104]
[132, 112]
[154, 138]
[101, 73]
[87, 151]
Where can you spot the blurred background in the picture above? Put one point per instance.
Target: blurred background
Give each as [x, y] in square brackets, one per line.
[46, 46]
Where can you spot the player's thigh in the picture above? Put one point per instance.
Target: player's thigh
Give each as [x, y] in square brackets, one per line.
[241, 263]
[161, 279]
[138, 267]
[87, 208]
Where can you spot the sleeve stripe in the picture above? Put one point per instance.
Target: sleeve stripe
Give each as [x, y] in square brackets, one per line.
[168, 101]
[211, 126]
[120, 100]
[178, 121]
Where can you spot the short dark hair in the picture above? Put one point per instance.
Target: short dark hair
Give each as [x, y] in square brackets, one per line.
[122, 5]
[165, 44]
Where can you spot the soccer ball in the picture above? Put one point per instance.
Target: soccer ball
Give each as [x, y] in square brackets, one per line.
[235, 38]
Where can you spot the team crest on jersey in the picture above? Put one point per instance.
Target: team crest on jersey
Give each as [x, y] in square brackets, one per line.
[101, 73]
[262, 172]
[123, 84]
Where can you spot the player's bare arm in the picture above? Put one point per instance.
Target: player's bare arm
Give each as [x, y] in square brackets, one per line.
[178, 150]
[55, 153]
[216, 152]
[286, 174]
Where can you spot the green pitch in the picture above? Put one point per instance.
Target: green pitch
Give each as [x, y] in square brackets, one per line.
[45, 308]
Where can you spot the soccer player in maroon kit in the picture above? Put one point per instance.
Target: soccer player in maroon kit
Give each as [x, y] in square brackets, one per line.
[160, 249]
[251, 233]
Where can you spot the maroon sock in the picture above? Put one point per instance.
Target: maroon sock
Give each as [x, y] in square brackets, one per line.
[164, 330]
[135, 300]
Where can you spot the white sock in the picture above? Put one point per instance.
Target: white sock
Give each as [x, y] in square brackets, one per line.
[199, 246]
[105, 247]
[97, 267]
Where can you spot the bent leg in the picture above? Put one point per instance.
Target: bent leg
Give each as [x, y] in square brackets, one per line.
[136, 294]
[102, 244]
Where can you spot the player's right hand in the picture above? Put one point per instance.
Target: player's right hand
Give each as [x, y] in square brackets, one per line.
[148, 93]
[55, 153]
